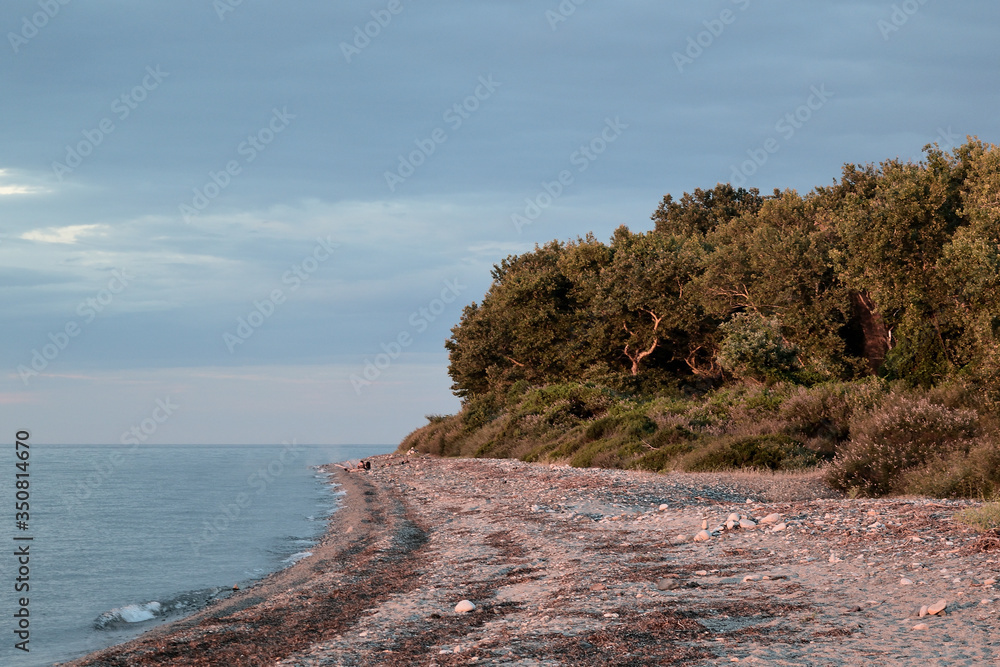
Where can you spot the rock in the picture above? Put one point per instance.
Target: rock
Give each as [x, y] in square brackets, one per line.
[702, 573]
[989, 582]
[680, 539]
[734, 517]
[920, 626]
[905, 582]
[702, 536]
[834, 559]
[852, 610]
[598, 587]
[937, 607]
[668, 584]
[751, 577]
[464, 606]
[922, 612]
[704, 524]
[748, 523]
[771, 519]
[780, 527]
[730, 525]
[664, 507]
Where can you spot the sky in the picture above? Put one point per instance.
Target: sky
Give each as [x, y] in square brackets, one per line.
[245, 221]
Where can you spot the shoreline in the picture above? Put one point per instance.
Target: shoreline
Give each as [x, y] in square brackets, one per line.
[583, 567]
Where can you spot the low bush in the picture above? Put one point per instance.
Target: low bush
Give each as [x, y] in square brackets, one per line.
[902, 434]
[770, 452]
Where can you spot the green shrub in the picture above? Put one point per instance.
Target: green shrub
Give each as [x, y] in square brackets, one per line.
[661, 459]
[479, 411]
[903, 433]
[753, 347]
[983, 518]
[960, 474]
[771, 452]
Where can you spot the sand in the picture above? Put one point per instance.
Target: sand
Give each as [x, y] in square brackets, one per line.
[563, 566]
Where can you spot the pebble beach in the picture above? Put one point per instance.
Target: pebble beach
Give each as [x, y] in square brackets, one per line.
[498, 562]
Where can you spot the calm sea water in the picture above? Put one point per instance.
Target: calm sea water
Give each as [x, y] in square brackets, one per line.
[122, 534]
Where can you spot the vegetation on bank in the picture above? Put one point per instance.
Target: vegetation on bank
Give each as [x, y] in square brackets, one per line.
[854, 328]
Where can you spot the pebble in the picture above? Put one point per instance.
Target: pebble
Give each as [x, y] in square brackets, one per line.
[905, 582]
[734, 517]
[748, 523]
[668, 584]
[464, 606]
[923, 611]
[702, 536]
[937, 607]
[780, 527]
[664, 507]
[771, 519]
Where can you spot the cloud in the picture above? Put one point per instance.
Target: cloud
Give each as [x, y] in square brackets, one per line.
[8, 188]
[69, 235]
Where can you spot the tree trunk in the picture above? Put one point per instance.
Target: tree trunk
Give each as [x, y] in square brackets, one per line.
[877, 338]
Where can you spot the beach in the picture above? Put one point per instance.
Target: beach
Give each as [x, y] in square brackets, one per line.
[570, 566]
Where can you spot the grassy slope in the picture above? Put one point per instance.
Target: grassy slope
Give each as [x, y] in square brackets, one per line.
[872, 438]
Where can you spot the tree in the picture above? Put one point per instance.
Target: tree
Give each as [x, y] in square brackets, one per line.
[645, 303]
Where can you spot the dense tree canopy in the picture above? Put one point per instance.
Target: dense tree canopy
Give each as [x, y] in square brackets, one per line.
[892, 270]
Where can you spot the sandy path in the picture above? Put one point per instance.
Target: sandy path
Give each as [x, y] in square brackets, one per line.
[563, 564]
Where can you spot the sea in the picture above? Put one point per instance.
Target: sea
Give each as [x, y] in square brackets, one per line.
[125, 538]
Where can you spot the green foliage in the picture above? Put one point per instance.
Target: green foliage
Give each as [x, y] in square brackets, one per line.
[753, 347]
[984, 518]
[770, 452]
[900, 435]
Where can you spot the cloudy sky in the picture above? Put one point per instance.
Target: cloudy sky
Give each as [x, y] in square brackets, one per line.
[216, 215]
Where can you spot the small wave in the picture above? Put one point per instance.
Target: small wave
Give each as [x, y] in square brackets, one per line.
[133, 613]
[295, 558]
[184, 603]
